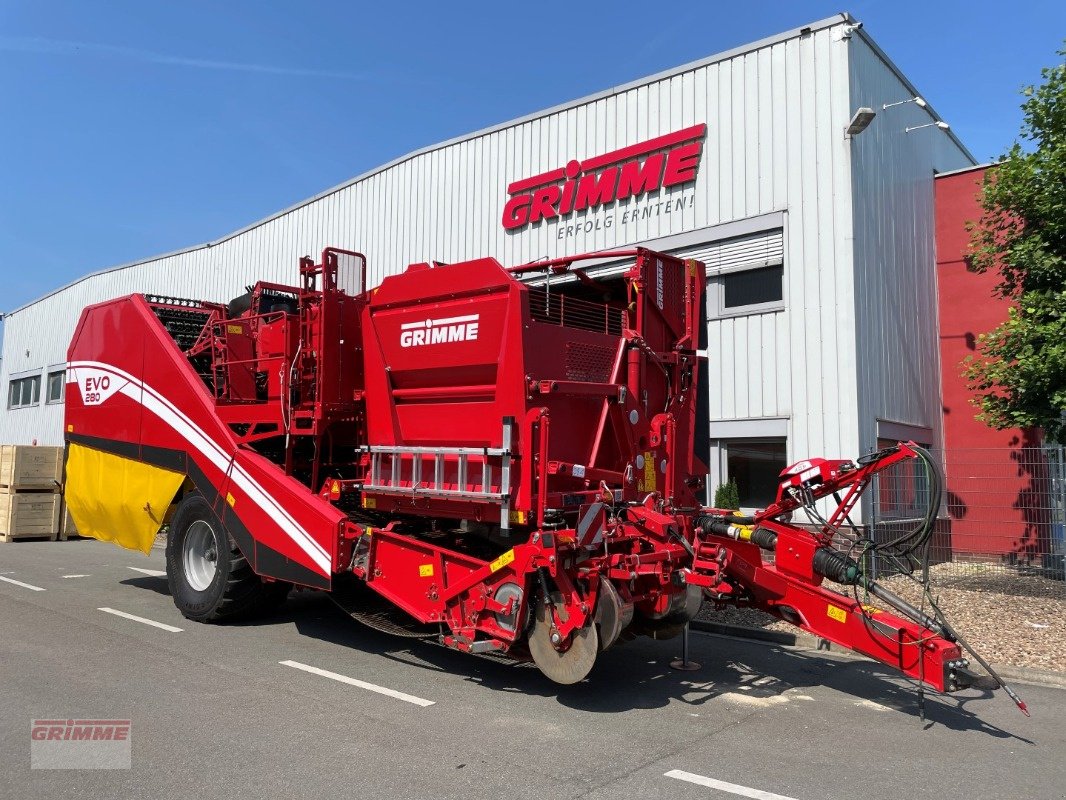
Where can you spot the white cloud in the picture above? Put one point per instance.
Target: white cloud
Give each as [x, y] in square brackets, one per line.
[70, 48]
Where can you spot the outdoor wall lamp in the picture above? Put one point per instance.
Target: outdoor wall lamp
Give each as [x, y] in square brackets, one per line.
[939, 124]
[860, 121]
[916, 100]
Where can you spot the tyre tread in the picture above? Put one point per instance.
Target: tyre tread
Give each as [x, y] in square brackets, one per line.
[244, 591]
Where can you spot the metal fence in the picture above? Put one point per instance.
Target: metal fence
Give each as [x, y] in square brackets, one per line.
[1003, 510]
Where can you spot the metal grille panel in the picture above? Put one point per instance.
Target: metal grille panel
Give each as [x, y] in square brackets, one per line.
[589, 363]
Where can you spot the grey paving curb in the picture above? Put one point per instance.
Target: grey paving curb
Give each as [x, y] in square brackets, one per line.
[806, 641]
[1032, 676]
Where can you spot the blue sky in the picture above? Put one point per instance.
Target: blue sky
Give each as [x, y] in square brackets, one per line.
[130, 129]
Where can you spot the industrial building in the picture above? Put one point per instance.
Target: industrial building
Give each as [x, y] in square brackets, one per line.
[816, 223]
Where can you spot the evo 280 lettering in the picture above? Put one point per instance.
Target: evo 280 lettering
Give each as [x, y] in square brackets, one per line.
[672, 160]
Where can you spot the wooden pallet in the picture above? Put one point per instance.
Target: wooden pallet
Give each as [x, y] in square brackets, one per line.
[5, 538]
[24, 467]
[26, 515]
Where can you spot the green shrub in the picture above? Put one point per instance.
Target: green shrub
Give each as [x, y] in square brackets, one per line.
[727, 495]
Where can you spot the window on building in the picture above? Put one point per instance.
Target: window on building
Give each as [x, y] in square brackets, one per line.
[756, 466]
[745, 274]
[24, 392]
[57, 381]
[754, 287]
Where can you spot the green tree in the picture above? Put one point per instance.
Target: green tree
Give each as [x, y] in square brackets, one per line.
[1019, 372]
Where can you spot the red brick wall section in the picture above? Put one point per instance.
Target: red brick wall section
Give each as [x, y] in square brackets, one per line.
[994, 485]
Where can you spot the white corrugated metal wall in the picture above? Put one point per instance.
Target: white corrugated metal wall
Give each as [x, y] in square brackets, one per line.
[774, 148]
[895, 262]
[762, 335]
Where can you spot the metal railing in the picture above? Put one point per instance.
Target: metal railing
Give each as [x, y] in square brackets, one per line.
[555, 308]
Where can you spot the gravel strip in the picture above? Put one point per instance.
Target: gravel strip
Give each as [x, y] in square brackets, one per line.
[1008, 618]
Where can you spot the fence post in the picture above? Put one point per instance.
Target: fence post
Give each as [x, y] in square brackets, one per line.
[1058, 515]
[875, 501]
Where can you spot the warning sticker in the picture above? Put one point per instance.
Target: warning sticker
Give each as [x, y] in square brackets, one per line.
[649, 472]
[425, 570]
[839, 614]
[502, 561]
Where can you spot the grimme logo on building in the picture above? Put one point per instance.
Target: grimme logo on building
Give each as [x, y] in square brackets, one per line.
[439, 331]
[670, 160]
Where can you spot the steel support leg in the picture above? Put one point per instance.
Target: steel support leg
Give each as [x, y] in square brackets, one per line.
[683, 663]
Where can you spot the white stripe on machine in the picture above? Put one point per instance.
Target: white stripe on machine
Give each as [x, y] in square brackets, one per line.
[167, 412]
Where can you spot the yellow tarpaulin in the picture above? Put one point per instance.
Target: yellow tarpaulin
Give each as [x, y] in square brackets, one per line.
[117, 499]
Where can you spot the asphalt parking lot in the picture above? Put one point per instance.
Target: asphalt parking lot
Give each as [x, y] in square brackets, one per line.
[309, 703]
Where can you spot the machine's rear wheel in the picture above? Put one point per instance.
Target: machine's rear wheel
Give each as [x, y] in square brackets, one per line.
[209, 577]
[568, 662]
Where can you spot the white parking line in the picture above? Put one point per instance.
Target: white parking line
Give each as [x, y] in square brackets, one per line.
[77, 576]
[371, 687]
[20, 583]
[732, 788]
[155, 573]
[135, 618]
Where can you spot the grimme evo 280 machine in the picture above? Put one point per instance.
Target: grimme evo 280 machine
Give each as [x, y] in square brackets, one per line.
[503, 460]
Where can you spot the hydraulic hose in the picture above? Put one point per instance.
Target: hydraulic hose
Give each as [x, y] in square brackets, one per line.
[737, 527]
[834, 565]
[843, 569]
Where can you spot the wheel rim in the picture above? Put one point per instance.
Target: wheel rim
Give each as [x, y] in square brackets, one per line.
[567, 666]
[200, 555]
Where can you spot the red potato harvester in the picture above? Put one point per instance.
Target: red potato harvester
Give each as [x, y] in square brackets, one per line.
[504, 460]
